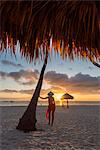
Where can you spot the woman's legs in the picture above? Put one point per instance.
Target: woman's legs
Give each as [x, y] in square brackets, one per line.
[51, 111]
[49, 116]
[52, 118]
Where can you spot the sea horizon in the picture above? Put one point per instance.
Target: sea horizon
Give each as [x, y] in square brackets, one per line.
[21, 102]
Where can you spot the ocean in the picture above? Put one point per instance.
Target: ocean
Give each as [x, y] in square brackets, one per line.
[43, 103]
[76, 128]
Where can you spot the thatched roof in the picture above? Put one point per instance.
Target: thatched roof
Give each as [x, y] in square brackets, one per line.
[67, 96]
[73, 25]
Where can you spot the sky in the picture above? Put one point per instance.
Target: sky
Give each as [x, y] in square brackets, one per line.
[18, 78]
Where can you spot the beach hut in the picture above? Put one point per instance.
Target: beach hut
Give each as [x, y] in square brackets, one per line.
[70, 27]
[67, 97]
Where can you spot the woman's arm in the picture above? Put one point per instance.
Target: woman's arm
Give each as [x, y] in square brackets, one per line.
[43, 97]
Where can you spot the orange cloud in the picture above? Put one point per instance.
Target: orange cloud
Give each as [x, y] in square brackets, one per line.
[80, 83]
[83, 87]
[25, 77]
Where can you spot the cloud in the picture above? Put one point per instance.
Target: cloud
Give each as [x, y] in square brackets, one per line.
[25, 77]
[80, 83]
[54, 78]
[85, 83]
[9, 91]
[3, 75]
[9, 63]
[30, 91]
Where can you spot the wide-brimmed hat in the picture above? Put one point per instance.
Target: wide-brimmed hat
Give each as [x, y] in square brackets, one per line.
[50, 93]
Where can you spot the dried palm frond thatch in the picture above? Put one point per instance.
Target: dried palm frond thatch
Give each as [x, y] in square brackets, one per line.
[70, 27]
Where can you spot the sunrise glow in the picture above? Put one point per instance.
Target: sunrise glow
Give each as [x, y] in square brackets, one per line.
[79, 79]
[58, 96]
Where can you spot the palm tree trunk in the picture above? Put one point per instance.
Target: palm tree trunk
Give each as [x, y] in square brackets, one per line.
[28, 120]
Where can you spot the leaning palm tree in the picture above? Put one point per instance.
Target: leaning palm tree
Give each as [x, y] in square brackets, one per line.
[72, 28]
[28, 120]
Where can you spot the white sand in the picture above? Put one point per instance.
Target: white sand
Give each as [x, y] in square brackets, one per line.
[76, 128]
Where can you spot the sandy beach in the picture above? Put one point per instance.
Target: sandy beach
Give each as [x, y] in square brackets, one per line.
[76, 128]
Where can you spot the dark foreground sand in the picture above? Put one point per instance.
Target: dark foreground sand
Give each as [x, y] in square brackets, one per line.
[76, 128]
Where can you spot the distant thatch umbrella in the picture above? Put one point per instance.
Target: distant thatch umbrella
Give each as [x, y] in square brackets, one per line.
[67, 96]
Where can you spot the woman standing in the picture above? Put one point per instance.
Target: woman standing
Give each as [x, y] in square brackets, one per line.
[51, 106]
